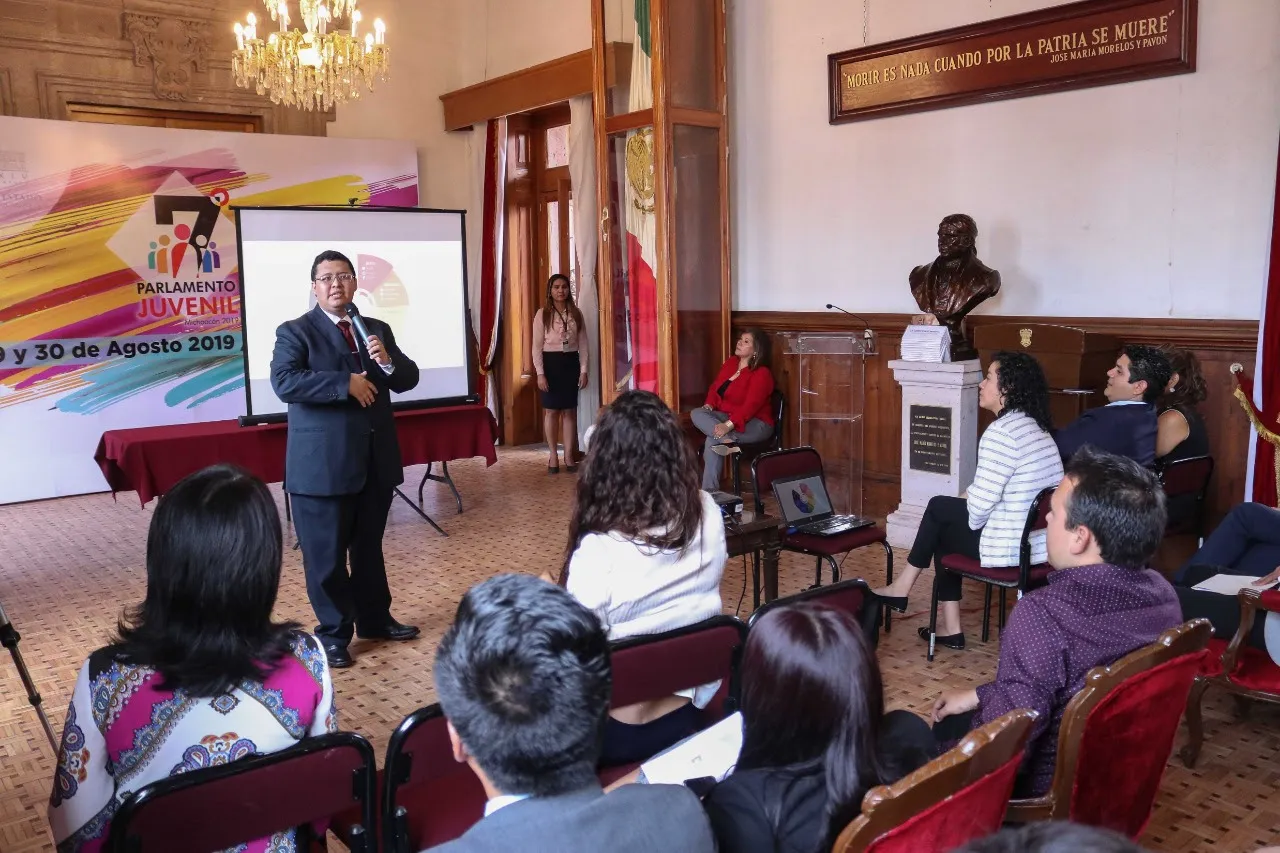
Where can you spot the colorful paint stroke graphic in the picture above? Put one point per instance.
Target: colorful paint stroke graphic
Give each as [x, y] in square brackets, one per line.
[804, 498]
[116, 279]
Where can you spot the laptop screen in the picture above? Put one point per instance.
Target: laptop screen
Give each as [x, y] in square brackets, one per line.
[802, 498]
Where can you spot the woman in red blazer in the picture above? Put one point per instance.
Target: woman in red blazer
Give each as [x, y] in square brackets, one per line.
[738, 407]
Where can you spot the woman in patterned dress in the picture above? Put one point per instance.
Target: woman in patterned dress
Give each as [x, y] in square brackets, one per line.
[199, 674]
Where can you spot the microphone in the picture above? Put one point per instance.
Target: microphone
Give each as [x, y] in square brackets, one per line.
[868, 336]
[353, 314]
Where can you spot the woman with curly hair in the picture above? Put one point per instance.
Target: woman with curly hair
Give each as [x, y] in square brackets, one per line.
[646, 552]
[1180, 432]
[1017, 457]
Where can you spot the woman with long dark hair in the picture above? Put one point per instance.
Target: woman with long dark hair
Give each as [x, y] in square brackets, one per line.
[1017, 458]
[646, 552]
[560, 359]
[737, 409]
[199, 674]
[815, 735]
[1180, 432]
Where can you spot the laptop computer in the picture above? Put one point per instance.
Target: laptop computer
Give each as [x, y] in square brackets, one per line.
[806, 507]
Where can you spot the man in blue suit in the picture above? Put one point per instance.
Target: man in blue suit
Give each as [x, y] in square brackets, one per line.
[342, 463]
[1126, 426]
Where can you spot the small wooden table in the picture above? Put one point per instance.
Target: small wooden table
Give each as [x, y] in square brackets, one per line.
[757, 535]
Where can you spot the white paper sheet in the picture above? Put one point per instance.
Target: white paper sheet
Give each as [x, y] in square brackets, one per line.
[711, 752]
[1229, 584]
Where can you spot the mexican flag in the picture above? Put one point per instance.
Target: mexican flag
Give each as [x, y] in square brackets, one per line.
[641, 223]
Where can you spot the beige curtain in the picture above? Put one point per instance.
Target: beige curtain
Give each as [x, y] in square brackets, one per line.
[586, 238]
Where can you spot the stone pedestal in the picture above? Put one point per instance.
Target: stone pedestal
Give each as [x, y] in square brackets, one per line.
[939, 437]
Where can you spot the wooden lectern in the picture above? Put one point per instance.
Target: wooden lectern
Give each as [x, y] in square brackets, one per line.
[1075, 362]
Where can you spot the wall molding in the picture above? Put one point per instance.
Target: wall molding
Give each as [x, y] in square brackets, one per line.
[1216, 342]
[530, 88]
[150, 54]
[57, 90]
[84, 47]
[1193, 334]
[7, 107]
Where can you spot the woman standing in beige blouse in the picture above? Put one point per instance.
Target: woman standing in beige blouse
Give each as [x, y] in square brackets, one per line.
[560, 358]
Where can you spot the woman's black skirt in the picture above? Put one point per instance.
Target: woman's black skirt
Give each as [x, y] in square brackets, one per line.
[562, 370]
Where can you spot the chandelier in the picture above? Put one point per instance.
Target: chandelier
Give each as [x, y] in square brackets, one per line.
[315, 68]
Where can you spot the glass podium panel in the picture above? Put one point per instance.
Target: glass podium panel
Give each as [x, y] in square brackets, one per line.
[832, 370]
[698, 242]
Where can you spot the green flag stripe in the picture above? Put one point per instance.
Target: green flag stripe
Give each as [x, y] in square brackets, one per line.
[642, 27]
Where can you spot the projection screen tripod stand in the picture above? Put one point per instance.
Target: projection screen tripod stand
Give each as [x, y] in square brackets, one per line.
[9, 639]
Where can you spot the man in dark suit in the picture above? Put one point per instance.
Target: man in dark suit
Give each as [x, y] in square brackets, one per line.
[523, 676]
[1126, 426]
[342, 463]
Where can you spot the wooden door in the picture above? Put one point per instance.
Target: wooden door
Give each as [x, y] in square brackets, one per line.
[539, 244]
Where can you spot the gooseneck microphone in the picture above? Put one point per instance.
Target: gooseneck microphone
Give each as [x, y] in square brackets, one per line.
[867, 335]
[842, 311]
[353, 314]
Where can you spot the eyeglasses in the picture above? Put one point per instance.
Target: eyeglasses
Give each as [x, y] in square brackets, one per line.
[340, 277]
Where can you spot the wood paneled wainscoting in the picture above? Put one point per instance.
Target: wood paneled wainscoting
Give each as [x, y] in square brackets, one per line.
[1217, 343]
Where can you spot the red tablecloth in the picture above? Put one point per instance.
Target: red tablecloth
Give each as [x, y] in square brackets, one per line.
[150, 460]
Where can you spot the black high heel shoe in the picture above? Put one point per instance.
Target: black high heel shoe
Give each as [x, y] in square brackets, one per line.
[897, 603]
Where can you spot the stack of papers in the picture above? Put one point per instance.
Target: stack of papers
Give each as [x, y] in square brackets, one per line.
[1228, 584]
[711, 752]
[926, 343]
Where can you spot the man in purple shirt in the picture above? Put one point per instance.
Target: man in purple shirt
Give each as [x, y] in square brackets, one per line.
[1105, 521]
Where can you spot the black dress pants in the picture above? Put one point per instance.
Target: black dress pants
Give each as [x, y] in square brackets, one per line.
[905, 741]
[330, 528]
[944, 530]
[625, 743]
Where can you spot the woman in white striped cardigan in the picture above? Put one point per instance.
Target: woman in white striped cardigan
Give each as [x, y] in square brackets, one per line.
[1017, 457]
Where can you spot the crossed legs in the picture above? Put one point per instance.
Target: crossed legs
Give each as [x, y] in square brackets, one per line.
[944, 529]
[706, 420]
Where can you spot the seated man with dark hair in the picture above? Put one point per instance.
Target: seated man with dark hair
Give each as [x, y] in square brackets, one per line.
[1126, 426]
[1105, 521]
[523, 676]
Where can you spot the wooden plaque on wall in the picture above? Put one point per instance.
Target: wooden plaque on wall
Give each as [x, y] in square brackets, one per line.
[1092, 43]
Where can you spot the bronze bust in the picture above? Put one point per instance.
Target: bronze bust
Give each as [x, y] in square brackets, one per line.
[956, 282]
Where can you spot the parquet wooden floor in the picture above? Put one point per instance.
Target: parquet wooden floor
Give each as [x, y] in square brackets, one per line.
[68, 566]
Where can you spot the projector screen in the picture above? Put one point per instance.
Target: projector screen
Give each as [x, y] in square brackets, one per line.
[410, 273]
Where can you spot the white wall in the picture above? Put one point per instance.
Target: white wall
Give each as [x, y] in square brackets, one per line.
[442, 45]
[1145, 199]
[425, 39]
[522, 33]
